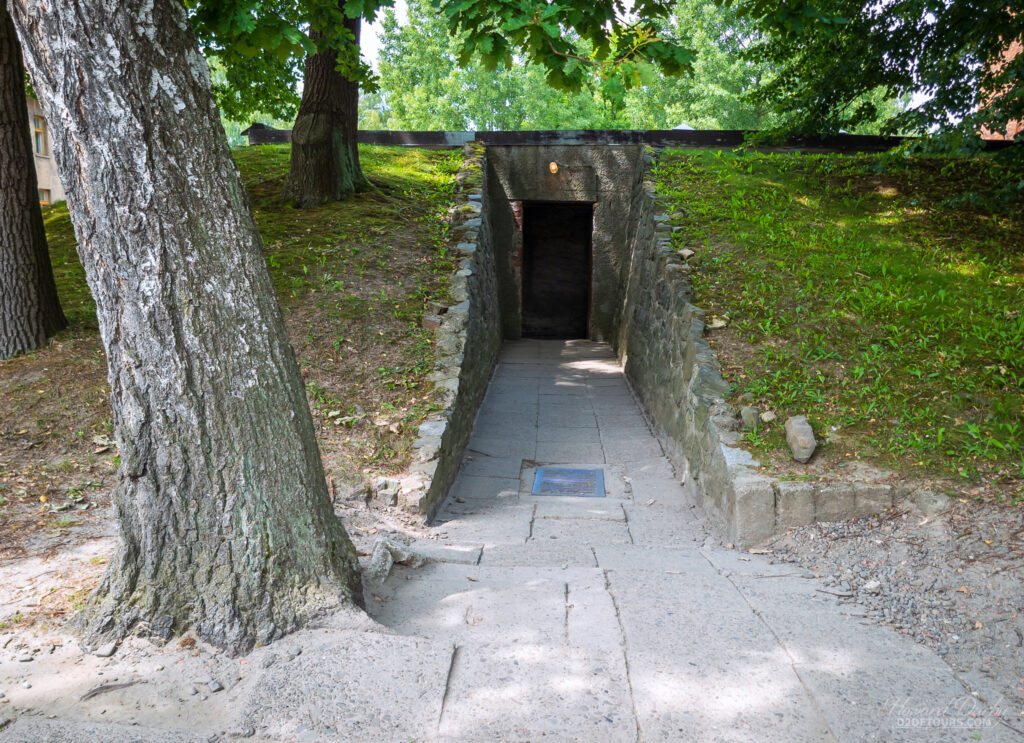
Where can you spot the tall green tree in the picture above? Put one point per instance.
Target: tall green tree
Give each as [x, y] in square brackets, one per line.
[831, 57]
[262, 48]
[724, 89]
[423, 85]
[223, 510]
[325, 146]
[325, 154]
[261, 45]
[716, 94]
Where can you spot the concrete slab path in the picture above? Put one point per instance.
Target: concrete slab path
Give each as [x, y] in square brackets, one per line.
[616, 619]
[539, 618]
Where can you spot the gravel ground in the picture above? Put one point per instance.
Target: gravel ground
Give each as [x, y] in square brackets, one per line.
[952, 581]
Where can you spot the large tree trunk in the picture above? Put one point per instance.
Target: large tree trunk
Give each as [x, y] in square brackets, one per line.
[325, 156]
[29, 309]
[221, 501]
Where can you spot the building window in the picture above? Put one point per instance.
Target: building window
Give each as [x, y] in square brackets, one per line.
[39, 128]
[44, 196]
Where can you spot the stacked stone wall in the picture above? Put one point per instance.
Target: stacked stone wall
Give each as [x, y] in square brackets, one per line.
[468, 340]
[676, 375]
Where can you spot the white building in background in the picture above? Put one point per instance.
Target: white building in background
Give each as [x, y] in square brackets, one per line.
[50, 189]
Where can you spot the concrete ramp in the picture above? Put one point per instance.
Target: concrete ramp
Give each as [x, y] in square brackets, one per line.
[616, 619]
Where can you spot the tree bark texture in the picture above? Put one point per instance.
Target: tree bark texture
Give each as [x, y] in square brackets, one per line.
[325, 153]
[29, 308]
[221, 500]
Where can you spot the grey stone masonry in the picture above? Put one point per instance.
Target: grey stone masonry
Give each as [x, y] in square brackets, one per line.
[602, 176]
[467, 340]
[800, 438]
[676, 375]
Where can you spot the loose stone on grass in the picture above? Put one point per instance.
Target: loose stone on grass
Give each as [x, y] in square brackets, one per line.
[750, 416]
[800, 437]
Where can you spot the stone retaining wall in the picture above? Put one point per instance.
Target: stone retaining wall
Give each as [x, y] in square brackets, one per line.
[468, 340]
[676, 375]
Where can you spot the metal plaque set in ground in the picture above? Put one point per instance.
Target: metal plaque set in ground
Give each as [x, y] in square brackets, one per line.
[588, 483]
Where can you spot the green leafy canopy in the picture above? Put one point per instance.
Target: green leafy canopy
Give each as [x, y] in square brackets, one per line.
[260, 45]
[571, 40]
[950, 57]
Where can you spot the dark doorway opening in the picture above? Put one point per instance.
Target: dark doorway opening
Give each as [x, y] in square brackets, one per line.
[556, 269]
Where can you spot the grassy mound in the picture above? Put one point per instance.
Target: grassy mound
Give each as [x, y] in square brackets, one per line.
[858, 293]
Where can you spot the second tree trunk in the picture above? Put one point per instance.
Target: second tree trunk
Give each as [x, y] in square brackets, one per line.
[325, 156]
[29, 309]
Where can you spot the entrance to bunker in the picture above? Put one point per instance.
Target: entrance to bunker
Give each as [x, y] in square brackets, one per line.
[557, 269]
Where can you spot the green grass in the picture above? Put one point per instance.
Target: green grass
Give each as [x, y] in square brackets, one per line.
[357, 275]
[858, 294]
[74, 294]
[407, 184]
[354, 235]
